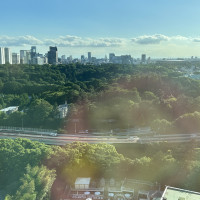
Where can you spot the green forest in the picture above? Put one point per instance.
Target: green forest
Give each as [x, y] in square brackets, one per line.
[103, 97]
[32, 170]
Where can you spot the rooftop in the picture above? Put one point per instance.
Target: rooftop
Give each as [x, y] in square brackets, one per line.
[9, 108]
[172, 193]
[82, 181]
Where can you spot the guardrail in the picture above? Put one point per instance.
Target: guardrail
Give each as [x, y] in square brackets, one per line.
[27, 130]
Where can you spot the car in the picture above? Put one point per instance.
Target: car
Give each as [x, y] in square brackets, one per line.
[133, 138]
[83, 132]
[53, 134]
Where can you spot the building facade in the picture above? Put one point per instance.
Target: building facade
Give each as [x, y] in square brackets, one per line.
[89, 56]
[143, 58]
[2, 56]
[8, 55]
[15, 58]
[53, 55]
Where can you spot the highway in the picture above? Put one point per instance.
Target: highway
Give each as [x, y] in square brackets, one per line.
[61, 139]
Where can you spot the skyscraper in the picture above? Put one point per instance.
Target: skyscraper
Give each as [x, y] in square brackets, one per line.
[2, 56]
[33, 52]
[111, 57]
[53, 55]
[143, 58]
[89, 56]
[82, 58]
[8, 55]
[15, 58]
[25, 57]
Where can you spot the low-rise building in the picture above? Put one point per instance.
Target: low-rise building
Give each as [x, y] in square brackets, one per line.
[85, 188]
[111, 189]
[63, 110]
[172, 193]
[10, 109]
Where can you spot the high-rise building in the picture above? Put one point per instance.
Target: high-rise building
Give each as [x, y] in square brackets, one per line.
[33, 52]
[27, 59]
[53, 55]
[2, 56]
[15, 58]
[143, 58]
[82, 58]
[8, 55]
[23, 58]
[89, 56]
[63, 59]
[39, 60]
[111, 57]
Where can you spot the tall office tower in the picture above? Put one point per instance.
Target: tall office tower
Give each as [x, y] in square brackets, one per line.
[2, 56]
[63, 59]
[23, 59]
[8, 55]
[143, 58]
[27, 57]
[33, 52]
[82, 58]
[15, 58]
[89, 56]
[53, 55]
[111, 57]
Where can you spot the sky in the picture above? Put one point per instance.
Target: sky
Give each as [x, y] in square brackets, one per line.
[159, 28]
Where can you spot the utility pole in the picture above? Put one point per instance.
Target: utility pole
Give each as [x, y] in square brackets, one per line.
[75, 127]
[22, 123]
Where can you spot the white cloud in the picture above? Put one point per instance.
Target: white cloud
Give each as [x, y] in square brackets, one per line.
[196, 40]
[158, 38]
[62, 41]
[150, 39]
[74, 41]
[19, 41]
[155, 45]
[180, 38]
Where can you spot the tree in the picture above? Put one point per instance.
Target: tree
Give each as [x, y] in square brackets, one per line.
[39, 111]
[35, 184]
[161, 126]
[188, 123]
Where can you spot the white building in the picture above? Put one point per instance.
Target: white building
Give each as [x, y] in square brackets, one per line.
[10, 109]
[2, 56]
[8, 55]
[23, 57]
[82, 183]
[15, 58]
[172, 193]
[38, 60]
[63, 110]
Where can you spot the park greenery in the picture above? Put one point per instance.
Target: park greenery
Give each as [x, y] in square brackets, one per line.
[103, 97]
[31, 170]
[100, 98]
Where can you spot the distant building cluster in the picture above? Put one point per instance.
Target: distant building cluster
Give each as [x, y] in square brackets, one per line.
[51, 57]
[28, 56]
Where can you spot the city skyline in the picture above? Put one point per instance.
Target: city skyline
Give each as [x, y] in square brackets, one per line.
[159, 29]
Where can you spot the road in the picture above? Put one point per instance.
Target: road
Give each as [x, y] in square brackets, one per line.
[64, 139]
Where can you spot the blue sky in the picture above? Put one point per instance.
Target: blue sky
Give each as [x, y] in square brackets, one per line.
[87, 20]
